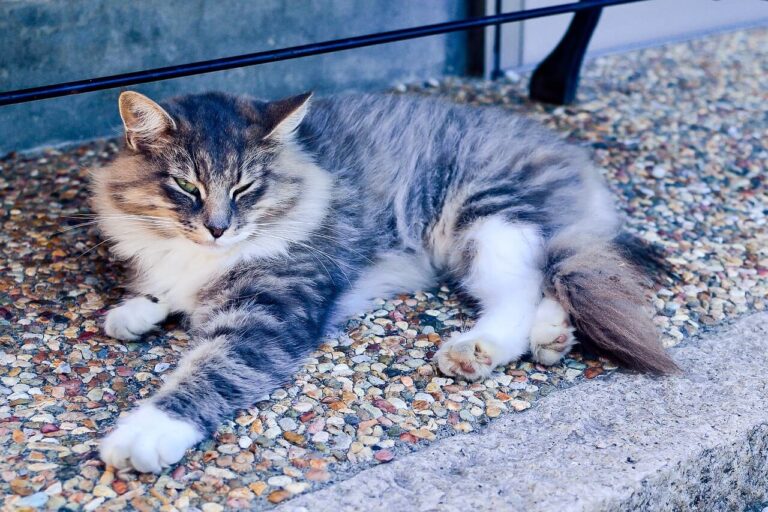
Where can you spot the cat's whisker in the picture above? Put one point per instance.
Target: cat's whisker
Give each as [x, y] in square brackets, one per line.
[111, 215]
[126, 216]
[110, 239]
[91, 223]
[347, 248]
[294, 222]
[144, 219]
[79, 216]
[241, 298]
[70, 228]
[299, 231]
[297, 242]
[312, 249]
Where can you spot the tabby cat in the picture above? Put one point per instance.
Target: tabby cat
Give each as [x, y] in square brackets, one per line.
[265, 223]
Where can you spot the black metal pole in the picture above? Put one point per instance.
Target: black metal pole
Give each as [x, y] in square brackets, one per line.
[496, 72]
[556, 79]
[209, 66]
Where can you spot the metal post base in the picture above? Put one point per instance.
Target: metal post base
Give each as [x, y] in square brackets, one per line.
[556, 79]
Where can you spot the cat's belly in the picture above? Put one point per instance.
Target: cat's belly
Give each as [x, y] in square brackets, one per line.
[392, 273]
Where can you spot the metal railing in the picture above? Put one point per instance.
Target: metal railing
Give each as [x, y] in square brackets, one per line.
[571, 53]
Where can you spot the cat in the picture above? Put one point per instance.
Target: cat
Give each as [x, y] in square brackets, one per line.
[267, 222]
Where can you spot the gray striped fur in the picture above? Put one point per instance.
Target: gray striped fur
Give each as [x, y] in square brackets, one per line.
[409, 176]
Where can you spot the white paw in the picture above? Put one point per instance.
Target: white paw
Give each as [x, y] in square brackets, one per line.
[147, 440]
[552, 333]
[469, 355]
[133, 318]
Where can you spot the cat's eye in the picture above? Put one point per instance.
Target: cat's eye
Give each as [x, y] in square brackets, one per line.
[241, 190]
[187, 186]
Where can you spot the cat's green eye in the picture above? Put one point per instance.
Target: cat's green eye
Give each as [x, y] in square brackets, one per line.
[186, 186]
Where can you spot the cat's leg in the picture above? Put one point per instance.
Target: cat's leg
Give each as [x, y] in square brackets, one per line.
[135, 317]
[504, 273]
[242, 354]
[552, 334]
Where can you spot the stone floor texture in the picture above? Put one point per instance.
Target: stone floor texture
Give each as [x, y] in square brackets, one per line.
[682, 134]
[626, 443]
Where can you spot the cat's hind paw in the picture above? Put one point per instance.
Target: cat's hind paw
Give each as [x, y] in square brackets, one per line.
[467, 355]
[133, 318]
[552, 334]
[148, 439]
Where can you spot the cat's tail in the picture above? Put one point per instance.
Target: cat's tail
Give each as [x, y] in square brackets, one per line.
[602, 286]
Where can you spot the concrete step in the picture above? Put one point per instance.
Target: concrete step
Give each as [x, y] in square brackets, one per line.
[696, 441]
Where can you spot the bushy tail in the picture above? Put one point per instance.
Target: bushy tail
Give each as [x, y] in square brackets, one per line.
[603, 288]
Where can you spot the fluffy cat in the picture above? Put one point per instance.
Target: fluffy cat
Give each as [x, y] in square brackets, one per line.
[266, 222]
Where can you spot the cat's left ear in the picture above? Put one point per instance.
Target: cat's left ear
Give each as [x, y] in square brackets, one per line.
[284, 116]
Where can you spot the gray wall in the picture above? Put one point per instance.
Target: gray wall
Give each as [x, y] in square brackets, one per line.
[641, 24]
[48, 41]
[621, 27]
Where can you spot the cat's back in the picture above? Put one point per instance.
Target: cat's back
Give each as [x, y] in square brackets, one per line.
[420, 157]
[393, 134]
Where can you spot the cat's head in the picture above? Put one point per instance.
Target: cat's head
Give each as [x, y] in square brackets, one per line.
[214, 169]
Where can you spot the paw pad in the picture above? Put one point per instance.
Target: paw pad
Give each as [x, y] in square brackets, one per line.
[466, 356]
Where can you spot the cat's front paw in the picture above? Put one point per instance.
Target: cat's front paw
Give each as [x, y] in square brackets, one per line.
[148, 439]
[467, 355]
[134, 317]
[552, 334]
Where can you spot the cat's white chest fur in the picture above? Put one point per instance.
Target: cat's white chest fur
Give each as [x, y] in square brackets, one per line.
[175, 271]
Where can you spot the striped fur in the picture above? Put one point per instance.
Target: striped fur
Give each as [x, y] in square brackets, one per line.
[339, 196]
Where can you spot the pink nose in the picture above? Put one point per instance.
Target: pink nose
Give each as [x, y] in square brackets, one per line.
[216, 231]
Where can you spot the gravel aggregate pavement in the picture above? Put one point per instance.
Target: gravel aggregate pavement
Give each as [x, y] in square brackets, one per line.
[681, 132]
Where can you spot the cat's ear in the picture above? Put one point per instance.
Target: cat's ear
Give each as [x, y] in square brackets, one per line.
[145, 121]
[284, 116]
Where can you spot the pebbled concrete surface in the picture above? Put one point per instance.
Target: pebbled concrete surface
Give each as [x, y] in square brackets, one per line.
[697, 441]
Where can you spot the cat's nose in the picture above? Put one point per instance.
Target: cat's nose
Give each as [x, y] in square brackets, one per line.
[216, 231]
